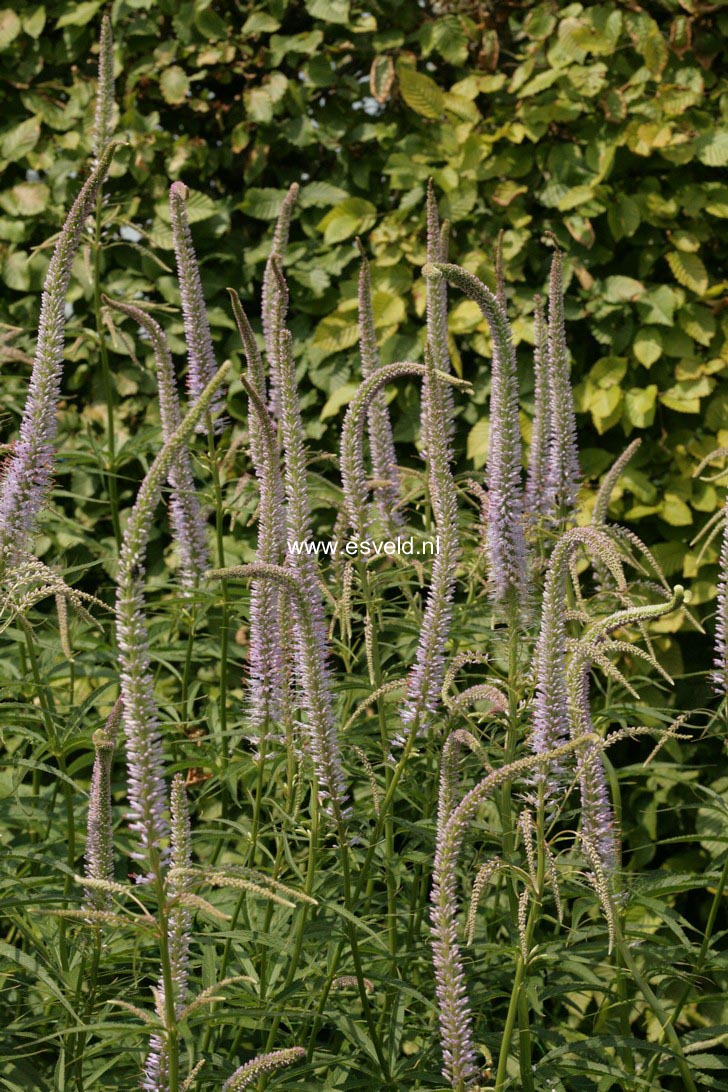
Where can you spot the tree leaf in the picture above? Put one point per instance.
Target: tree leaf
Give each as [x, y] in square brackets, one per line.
[688, 270]
[9, 27]
[647, 345]
[174, 85]
[381, 78]
[420, 92]
[79, 15]
[351, 217]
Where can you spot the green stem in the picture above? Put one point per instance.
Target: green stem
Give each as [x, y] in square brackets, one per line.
[106, 377]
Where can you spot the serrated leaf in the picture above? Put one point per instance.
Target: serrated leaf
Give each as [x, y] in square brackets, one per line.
[712, 149]
[174, 85]
[262, 203]
[381, 78]
[450, 39]
[639, 405]
[688, 270]
[420, 92]
[647, 345]
[336, 332]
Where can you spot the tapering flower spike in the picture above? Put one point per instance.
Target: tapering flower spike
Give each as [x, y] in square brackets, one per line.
[506, 542]
[179, 923]
[275, 294]
[424, 685]
[563, 466]
[551, 719]
[188, 525]
[103, 129]
[247, 1074]
[269, 697]
[99, 837]
[314, 681]
[601, 507]
[536, 483]
[146, 789]
[27, 473]
[720, 646]
[384, 458]
[436, 311]
[201, 365]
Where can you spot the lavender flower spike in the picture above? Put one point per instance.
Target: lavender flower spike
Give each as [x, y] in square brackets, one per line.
[506, 542]
[563, 466]
[720, 647]
[27, 473]
[141, 724]
[187, 522]
[179, 922]
[424, 685]
[201, 364]
[536, 491]
[381, 444]
[99, 838]
[264, 1063]
[104, 113]
[269, 688]
[274, 302]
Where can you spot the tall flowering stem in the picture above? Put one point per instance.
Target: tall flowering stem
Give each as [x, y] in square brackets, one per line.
[187, 522]
[563, 464]
[536, 483]
[720, 646]
[274, 302]
[381, 444]
[269, 698]
[201, 364]
[424, 685]
[454, 822]
[601, 507]
[156, 1076]
[99, 837]
[323, 743]
[146, 789]
[506, 542]
[27, 473]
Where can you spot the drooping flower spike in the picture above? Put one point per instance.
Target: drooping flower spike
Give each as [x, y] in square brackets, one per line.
[604, 496]
[384, 459]
[145, 761]
[188, 525]
[28, 470]
[247, 1074]
[201, 364]
[506, 542]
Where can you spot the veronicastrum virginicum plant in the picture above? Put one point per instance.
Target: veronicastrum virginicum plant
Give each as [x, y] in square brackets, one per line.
[465, 703]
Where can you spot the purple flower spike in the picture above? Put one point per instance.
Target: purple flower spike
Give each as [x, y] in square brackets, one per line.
[563, 472]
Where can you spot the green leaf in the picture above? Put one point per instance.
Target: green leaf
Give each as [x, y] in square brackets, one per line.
[330, 11]
[698, 322]
[647, 345]
[336, 332]
[450, 39]
[605, 406]
[9, 27]
[34, 22]
[260, 22]
[353, 216]
[623, 216]
[381, 78]
[688, 270]
[17, 142]
[79, 15]
[712, 149]
[675, 511]
[477, 446]
[340, 397]
[639, 405]
[174, 85]
[657, 306]
[620, 289]
[420, 92]
[263, 203]
[25, 199]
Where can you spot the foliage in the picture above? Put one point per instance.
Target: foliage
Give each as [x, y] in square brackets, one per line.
[598, 123]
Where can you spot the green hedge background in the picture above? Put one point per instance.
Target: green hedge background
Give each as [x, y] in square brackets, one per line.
[606, 124]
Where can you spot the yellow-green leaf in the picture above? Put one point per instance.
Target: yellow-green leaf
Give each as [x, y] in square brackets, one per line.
[381, 78]
[174, 85]
[420, 92]
[688, 270]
